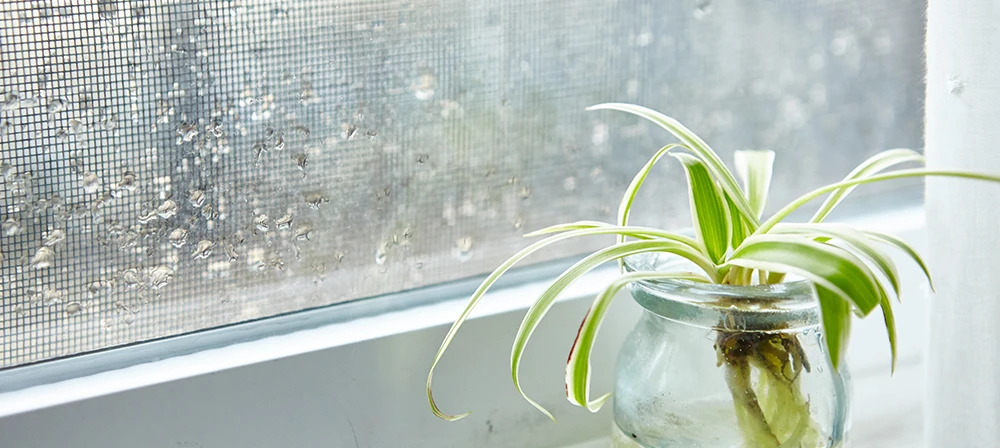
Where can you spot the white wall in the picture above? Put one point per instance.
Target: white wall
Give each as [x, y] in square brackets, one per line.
[963, 131]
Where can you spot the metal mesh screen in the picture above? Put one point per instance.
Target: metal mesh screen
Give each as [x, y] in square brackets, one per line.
[171, 166]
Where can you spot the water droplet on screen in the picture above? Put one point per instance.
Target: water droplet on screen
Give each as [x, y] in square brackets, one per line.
[643, 39]
[54, 237]
[349, 130]
[77, 126]
[187, 132]
[51, 296]
[178, 237]
[147, 218]
[239, 237]
[569, 183]
[127, 316]
[128, 181]
[203, 249]
[130, 278]
[11, 227]
[261, 222]
[307, 95]
[19, 310]
[216, 128]
[463, 248]
[159, 276]
[5, 127]
[55, 106]
[43, 258]
[371, 134]
[10, 101]
[28, 102]
[303, 232]
[90, 182]
[167, 209]
[380, 255]
[208, 212]
[196, 198]
[525, 193]
[73, 308]
[424, 90]
[258, 149]
[284, 222]
[231, 253]
[95, 287]
[300, 161]
[315, 199]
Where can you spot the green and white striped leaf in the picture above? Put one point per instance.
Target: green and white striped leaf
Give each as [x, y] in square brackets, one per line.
[504, 267]
[625, 208]
[879, 162]
[906, 248]
[860, 243]
[738, 230]
[578, 365]
[835, 272]
[780, 215]
[855, 240]
[890, 327]
[835, 313]
[708, 209]
[834, 268]
[700, 149]
[544, 302]
[638, 232]
[754, 167]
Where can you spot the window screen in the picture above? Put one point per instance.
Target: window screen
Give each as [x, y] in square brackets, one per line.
[172, 166]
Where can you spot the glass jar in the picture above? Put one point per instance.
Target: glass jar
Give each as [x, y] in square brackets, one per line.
[727, 366]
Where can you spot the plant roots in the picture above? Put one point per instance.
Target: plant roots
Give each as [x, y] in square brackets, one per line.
[774, 414]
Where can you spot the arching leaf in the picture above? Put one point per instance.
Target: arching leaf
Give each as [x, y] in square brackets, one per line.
[699, 148]
[879, 162]
[504, 267]
[544, 302]
[578, 364]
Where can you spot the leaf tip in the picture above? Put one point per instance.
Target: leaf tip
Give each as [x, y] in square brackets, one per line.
[544, 411]
[434, 407]
[446, 417]
[596, 405]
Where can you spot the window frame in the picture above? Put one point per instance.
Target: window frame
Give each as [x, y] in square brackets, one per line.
[179, 363]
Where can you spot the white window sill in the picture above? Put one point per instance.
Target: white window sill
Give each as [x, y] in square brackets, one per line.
[360, 382]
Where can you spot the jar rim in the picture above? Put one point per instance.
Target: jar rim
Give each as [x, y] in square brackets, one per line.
[776, 307]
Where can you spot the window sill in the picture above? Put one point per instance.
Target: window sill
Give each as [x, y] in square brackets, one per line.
[359, 381]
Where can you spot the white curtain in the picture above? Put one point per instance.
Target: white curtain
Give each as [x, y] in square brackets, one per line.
[963, 219]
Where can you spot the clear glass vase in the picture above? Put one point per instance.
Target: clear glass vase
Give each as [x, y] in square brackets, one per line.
[727, 366]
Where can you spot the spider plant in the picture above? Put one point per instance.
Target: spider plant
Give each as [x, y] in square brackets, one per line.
[849, 269]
